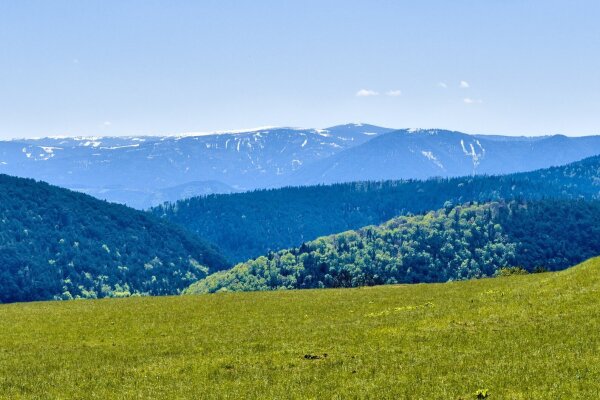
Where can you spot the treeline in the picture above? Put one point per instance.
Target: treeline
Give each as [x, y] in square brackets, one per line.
[58, 244]
[246, 225]
[453, 243]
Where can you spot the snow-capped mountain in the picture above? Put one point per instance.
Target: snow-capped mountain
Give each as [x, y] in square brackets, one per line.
[145, 171]
[425, 153]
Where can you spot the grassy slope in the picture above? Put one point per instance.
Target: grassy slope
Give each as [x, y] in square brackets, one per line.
[521, 337]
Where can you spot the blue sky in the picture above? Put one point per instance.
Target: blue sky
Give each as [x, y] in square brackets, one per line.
[163, 67]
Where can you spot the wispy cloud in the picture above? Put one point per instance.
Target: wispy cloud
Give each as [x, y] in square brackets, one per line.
[394, 93]
[107, 123]
[443, 85]
[464, 84]
[366, 93]
[468, 100]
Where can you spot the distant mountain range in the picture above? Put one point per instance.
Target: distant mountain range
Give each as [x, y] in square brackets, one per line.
[145, 171]
[422, 154]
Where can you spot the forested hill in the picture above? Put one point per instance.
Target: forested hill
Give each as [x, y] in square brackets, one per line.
[453, 243]
[246, 225]
[55, 243]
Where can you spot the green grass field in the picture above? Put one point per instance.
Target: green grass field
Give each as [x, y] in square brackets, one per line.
[520, 337]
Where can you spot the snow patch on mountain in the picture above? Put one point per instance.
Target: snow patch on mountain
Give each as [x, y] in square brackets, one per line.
[430, 156]
[121, 147]
[323, 132]
[49, 149]
[471, 152]
[92, 143]
[227, 132]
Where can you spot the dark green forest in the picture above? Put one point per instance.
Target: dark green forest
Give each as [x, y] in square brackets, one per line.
[59, 244]
[453, 243]
[246, 225]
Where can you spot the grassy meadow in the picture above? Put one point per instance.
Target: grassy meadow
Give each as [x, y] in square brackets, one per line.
[519, 337]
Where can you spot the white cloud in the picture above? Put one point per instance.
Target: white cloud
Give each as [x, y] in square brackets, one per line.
[443, 85]
[366, 93]
[468, 100]
[464, 84]
[394, 93]
[107, 123]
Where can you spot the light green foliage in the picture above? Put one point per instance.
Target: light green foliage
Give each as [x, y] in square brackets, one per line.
[524, 337]
[454, 243]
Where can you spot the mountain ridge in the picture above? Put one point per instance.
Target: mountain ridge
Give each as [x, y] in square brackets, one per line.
[243, 161]
[144, 171]
[427, 153]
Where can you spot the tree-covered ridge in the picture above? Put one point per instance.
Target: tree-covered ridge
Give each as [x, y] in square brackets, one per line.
[55, 243]
[246, 225]
[453, 243]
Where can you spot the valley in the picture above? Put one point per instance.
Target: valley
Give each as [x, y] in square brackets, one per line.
[60, 244]
[254, 223]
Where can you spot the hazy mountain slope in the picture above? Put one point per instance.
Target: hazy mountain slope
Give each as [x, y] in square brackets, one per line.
[421, 154]
[55, 243]
[246, 225]
[463, 242]
[119, 169]
[146, 198]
